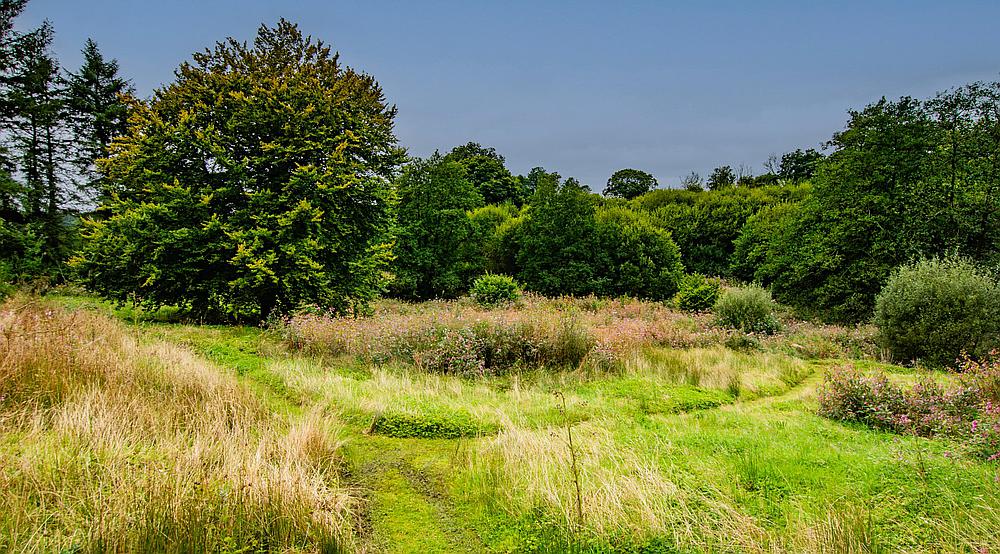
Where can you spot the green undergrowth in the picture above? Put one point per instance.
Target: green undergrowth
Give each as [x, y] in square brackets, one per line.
[429, 424]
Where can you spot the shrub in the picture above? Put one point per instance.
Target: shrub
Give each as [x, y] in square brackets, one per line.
[495, 290]
[697, 293]
[936, 309]
[849, 395]
[967, 412]
[432, 424]
[633, 256]
[749, 309]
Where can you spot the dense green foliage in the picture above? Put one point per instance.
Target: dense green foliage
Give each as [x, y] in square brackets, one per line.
[433, 229]
[629, 183]
[256, 182]
[906, 179]
[555, 255]
[721, 178]
[568, 245]
[633, 257]
[485, 169]
[493, 290]
[935, 310]
[749, 309]
[429, 425]
[491, 245]
[799, 165]
[706, 224]
[697, 293]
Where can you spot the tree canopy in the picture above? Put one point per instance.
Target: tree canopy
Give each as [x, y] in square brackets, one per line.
[629, 183]
[257, 182]
[434, 196]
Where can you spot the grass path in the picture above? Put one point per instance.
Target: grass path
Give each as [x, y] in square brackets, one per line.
[401, 480]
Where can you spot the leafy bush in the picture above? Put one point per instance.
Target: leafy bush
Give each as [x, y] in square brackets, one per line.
[749, 309]
[697, 293]
[429, 425]
[936, 309]
[849, 395]
[633, 256]
[495, 290]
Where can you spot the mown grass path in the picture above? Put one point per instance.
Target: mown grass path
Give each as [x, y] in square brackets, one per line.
[402, 481]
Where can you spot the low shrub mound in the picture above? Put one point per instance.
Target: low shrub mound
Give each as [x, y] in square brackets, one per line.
[968, 412]
[934, 310]
[749, 309]
[492, 290]
[697, 293]
[429, 425]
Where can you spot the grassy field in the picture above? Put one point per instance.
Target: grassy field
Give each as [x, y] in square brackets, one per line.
[124, 431]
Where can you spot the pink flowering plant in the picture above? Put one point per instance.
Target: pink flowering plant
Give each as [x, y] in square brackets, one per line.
[967, 411]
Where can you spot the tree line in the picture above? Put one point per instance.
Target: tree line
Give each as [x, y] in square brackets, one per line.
[54, 125]
[267, 177]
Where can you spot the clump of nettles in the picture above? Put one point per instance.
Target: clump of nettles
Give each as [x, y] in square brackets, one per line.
[749, 309]
[491, 290]
[697, 293]
[934, 310]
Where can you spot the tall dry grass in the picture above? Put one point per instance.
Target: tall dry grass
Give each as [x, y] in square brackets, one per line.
[461, 337]
[464, 338]
[111, 444]
[625, 495]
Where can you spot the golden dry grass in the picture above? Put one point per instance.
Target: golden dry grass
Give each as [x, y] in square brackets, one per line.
[111, 444]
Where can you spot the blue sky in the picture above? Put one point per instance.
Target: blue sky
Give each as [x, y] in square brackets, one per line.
[586, 88]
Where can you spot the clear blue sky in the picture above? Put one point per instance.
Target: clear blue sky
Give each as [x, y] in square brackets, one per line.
[585, 88]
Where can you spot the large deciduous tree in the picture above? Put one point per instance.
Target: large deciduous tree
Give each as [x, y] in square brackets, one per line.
[557, 240]
[485, 169]
[258, 181]
[906, 179]
[629, 183]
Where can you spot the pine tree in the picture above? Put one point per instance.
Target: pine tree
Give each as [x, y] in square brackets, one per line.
[98, 112]
[9, 188]
[38, 137]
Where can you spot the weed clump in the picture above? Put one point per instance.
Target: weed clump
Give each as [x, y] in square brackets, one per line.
[936, 309]
[749, 309]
